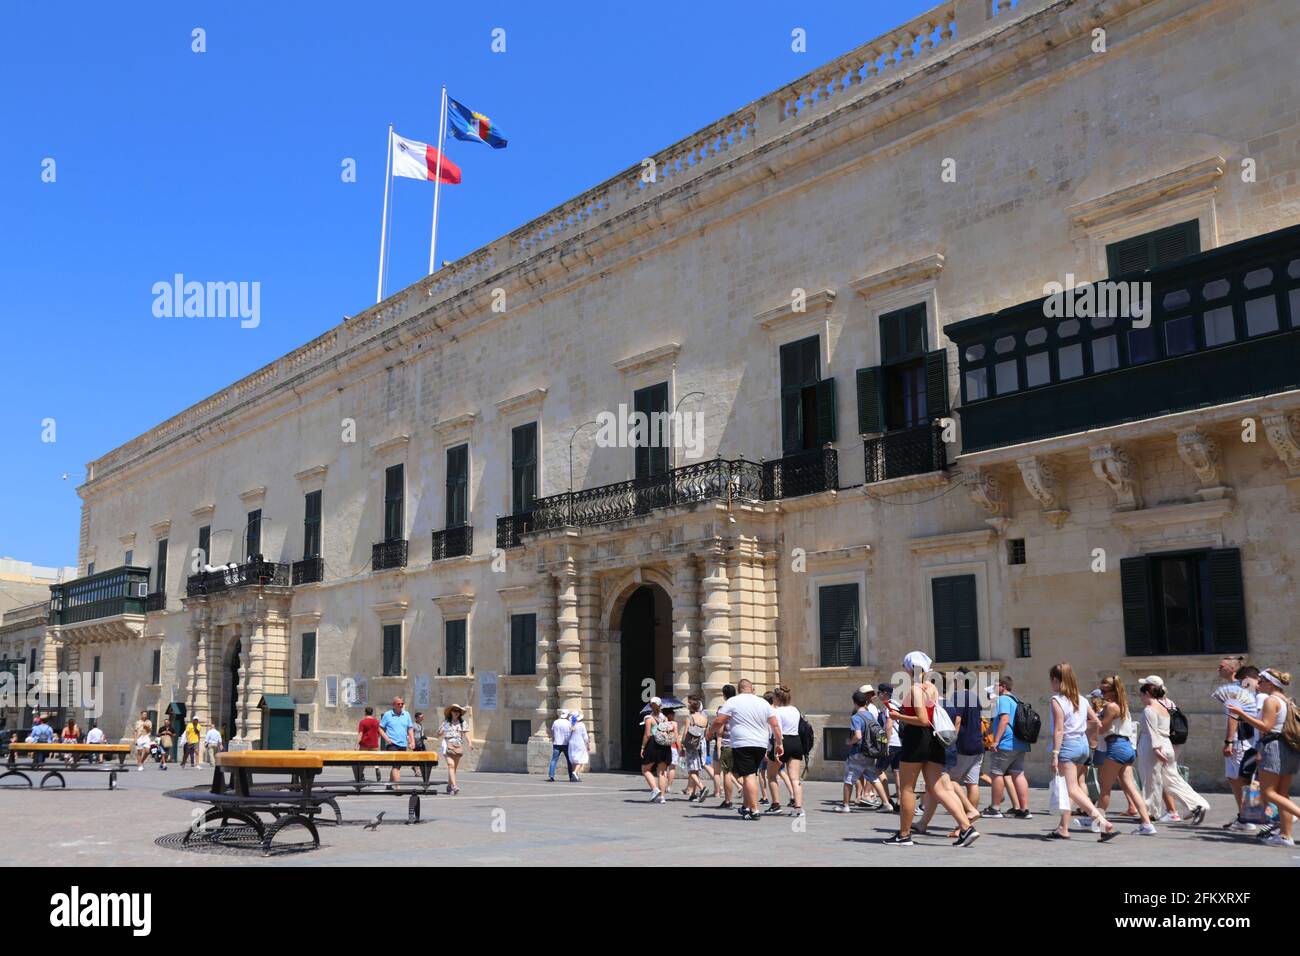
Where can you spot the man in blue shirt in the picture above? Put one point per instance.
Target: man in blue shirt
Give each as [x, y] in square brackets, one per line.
[1008, 757]
[398, 731]
[968, 720]
[42, 733]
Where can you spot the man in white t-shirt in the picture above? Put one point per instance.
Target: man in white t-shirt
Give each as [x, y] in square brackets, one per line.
[751, 722]
[561, 728]
[1232, 691]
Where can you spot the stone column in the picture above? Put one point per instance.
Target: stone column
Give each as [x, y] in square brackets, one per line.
[686, 613]
[592, 652]
[568, 644]
[716, 612]
[546, 704]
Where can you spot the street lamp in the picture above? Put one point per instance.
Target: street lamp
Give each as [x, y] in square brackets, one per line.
[674, 416]
[260, 520]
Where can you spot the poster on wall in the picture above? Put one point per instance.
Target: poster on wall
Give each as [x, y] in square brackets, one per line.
[421, 691]
[487, 690]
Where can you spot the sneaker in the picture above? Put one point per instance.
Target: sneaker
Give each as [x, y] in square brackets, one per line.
[1169, 817]
[763, 800]
[899, 840]
[659, 799]
[654, 794]
[550, 780]
[1240, 826]
[1265, 830]
[1197, 817]
[747, 814]
[888, 808]
[1277, 839]
[773, 809]
[798, 811]
[1022, 814]
[993, 813]
[573, 778]
[1145, 829]
[967, 837]
[841, 808]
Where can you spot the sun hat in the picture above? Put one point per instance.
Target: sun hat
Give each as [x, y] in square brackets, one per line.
[915, 659]
[446, 711]
[564, 712]
[1153, 680]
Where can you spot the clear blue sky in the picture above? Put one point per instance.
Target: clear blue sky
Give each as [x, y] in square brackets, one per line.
[225, 166]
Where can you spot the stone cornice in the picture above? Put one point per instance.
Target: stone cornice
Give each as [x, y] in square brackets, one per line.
[643, 360]
[396, 443]
[1194, 179]
[253, 495]
[454, 603]
[515, 403]
[925, 269]
[203, 513]
[450, 428]
[952, 541]
[314, 473]
[816, 305]
[161, 529]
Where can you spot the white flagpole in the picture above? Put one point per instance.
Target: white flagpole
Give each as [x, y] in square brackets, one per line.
[383, 229]
[437, 185]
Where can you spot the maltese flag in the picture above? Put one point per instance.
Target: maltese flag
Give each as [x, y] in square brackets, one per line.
[420, 161]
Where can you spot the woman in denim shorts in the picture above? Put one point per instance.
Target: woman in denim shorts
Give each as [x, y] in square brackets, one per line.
[1117, 730]
[1072, 722]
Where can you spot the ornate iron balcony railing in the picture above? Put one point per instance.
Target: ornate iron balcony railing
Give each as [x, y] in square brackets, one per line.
[308, 570]
[453, 542]
[510, 527]
[388, 554]
[912, 451]
[157, 601]
[121, 590]
[256, 572]
[803, 473]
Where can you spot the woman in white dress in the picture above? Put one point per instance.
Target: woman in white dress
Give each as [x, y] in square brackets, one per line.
[1156, 760]
[579, 744]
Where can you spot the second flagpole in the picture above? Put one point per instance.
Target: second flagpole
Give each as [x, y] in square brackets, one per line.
[383, 229]
[437, 181]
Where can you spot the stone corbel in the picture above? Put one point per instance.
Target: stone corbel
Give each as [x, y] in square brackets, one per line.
[1115, 469]
[984, 490]
[1280, 429]
[1041, 482]
[1200, 453]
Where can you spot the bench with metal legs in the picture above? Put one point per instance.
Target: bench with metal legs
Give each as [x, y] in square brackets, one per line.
[82, 759]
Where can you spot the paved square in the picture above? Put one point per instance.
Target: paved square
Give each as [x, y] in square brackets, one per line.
[606, 820]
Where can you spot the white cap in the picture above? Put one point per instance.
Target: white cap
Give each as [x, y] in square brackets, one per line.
[866, 689]
[564, 712]
[1153, 680]
[656, 701]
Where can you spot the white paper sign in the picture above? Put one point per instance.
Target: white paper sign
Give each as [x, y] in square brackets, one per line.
[487, 690]
[421, 691]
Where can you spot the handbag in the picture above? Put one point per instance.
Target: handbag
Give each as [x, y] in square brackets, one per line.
[1058, 795]
[1094, 785]
[943, 727]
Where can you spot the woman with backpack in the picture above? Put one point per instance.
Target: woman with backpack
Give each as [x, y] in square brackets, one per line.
[791, 760]
[697, 724]
[1118, 731]
[1156, 760]
[659, 735]
[1073, 724]
[922, 754]
[1279, 759]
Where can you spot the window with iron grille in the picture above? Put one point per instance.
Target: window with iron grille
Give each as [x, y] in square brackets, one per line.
[523, 643]
[311, 525]
[392, 650]
[307, 667]
[807, 400]
[839, 626]
[455, 637]
[458, 486]
[1016, 551]
[394, 502]
[523, 468]
[1022, 642]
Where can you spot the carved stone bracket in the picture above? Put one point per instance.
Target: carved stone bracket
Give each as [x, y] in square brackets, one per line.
[1200, 453]
[1041, 482]
[1115, 468]
[985, 490]
[1280, 429]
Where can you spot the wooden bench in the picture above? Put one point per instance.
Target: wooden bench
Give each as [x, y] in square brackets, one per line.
[298, 801]
[38, 752]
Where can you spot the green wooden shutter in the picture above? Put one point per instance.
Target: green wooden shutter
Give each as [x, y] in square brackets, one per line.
[457, 496]
[936, 383]
[1174, 243]
[1135, 587]
[838, 625]
[1229, 601]
[870, 402]
[455, 636]
[945, 623]
[956, 623]
[826, 411]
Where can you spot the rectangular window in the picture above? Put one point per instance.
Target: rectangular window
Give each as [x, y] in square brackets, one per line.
[455, 636]
[205, 539]
[90, 568]
[1016, 551]
[956, 627]
[1180, 335]
[903, 359]
[392, 650]
[1219, 328]
[160, 568]
[253, 542]
[155, 668]
[1007, 376]
[1069, 361]
[31, 664]
[523, 643]
[1152, 250]
[307, 666]
[1105, 353]
[1038, 369]
[1142, 345]
[520, 731]
[1190, 602]
[800, 372]
[304, 723]
[458, 486]
[395, 503]
[523, 467]
[651, 454]
[839, 626]
[1261, 316]
[130, 558]
[835, 743]
[977, 384]
[1022, 642]
[311, 525]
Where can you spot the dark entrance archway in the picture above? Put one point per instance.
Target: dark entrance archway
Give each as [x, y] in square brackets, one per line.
[646, 655]
[232, 695]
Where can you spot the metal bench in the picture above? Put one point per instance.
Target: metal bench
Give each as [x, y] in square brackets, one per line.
[36, 754]
[299, 800]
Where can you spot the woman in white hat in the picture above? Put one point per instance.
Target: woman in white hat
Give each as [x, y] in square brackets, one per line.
[658, 736]
[923, 755]
[1278, 763]
[578, 744]
[1157, 762]
[455, 742]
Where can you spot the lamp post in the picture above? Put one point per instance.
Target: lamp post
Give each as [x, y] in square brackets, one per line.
[675, 408]
[568, 510]
[260, 521]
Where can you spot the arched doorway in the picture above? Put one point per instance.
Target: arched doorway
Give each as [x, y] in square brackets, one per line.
[232, 691]
[645, 663]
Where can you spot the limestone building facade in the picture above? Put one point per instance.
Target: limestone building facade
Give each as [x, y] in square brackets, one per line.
[903, 443]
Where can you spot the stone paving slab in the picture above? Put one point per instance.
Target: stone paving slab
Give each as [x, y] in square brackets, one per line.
[514, 819]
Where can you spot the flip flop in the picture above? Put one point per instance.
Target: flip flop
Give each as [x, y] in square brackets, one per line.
[1108, 835]
[1055, 835]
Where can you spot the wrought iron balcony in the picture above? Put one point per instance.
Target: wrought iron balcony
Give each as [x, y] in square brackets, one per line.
[911, 451]
[258, 572]
[156, 601]
[510, 527]
[109, 593]
[453, 542]
[388, 554]
[803, 473]
[308, 570]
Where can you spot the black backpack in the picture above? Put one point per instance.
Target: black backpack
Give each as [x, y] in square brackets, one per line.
[1026, 725]
[875, 742]
[806, 737]
[1177, 726]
